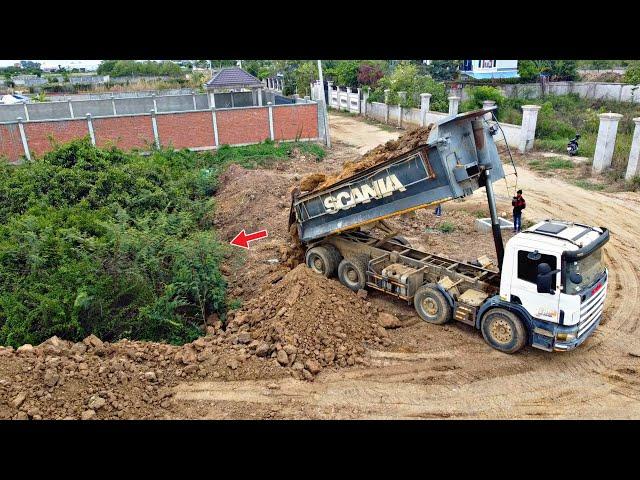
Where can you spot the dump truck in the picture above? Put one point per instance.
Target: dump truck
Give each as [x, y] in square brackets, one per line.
[547, 291]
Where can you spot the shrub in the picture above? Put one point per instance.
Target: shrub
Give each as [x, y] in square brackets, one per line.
[112, 243]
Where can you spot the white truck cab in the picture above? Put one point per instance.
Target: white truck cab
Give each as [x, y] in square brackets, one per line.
[554, 279]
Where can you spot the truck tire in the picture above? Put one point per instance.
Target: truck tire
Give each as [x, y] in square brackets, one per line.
[401, 240]
[323, 260]
[432, 305]
[503, 330]
[353, 273]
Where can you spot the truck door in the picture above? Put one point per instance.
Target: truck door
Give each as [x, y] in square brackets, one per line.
[544, 306]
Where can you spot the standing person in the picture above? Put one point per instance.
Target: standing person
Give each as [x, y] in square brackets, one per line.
[518, 204]
[438, 211]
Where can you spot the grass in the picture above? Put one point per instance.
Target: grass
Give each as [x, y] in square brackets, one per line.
[587, 185]
[446, 227]
[547, 164]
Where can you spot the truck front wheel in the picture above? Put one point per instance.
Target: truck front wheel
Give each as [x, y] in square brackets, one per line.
[503, 330]
[323, 260]
[431, 305]
[353, 273]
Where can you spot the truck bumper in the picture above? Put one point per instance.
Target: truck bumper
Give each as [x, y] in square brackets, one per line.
[545, 335]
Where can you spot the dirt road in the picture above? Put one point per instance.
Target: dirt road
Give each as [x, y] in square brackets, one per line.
[450, 372]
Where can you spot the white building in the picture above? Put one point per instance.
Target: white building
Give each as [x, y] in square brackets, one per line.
[486, 69]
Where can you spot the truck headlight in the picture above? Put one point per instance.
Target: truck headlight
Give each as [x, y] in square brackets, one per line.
[565, 337]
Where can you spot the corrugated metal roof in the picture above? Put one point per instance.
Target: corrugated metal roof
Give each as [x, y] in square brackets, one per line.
[233, 77]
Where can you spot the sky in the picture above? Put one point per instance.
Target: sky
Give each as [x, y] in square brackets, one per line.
[89, 64]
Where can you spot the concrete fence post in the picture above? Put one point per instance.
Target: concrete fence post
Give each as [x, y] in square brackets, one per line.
[425, 100]
[486, 105]
[26, 111]
[528, 128]
[349, 99]
[633, 167]
[359, 101]
[365, 101]
[606, 140]
[155, 104]
[271, 135]
[113, 105]
[154, 124]
[214, 119]
[307, 99]
[193, 96]
[386, 104]
[71, 109]
[402, 97]
[23, 137]
[454, 103]
[92, 134]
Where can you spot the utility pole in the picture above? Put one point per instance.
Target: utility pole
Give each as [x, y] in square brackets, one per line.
[323, 104]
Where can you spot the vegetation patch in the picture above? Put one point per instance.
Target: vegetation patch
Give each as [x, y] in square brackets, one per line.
[547, 164]
[587, 185]
[115, 244]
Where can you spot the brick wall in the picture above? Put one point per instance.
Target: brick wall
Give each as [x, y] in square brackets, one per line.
[177, 129]
[10, 142]
[300, 121]
[247, 125]
[186, 130]
[41, 136]
[128, 132]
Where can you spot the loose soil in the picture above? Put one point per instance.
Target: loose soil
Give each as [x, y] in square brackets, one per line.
[302, 346]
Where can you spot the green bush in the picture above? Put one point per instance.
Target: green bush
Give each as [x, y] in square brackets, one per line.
[112, 243]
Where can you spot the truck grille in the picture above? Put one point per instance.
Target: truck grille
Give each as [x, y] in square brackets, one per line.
[591, 310]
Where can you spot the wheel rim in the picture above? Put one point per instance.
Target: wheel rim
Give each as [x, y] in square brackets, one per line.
[352, 275]
[501, 331]
[430, 306]
[317, 264]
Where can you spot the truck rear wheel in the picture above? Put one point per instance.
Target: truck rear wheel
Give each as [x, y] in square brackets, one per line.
[401, 240]
[323, 259]
[353, 273]
[431, 304]
[503, 330]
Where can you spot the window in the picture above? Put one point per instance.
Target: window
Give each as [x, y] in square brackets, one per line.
[528, 269]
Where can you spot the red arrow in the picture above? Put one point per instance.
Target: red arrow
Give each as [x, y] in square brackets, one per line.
[242, 239]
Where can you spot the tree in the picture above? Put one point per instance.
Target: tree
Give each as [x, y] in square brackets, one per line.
[444, 69]
[405, 78]
[344, 73]
[369, 74]
[632, 75]
[530, 70]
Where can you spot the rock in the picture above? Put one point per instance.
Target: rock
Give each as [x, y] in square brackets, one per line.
[96, 402]
[26, 348]
[388, 321]
[307, 374]
[88, 415]
[312, 365]
[290, 349]
[282, 357]
[298, 366]
[232, 363]
[244, 338]
[329, 355]
[362, 293]
[22, 416]
[92, 341]
[634, 354]
[262, 350]
[19, 400]
[273, 386]
[79, 348]
[150, 376]
[51, 377]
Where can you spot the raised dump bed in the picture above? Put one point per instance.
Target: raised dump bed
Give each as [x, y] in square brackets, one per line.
[451, 166]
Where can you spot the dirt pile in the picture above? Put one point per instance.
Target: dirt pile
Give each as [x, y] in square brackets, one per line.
[381, 153]
[308, 322]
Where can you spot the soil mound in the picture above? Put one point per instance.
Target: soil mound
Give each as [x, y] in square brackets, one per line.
[308, 322]
[381, 153]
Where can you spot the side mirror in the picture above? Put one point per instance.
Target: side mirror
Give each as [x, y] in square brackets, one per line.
[575, 277]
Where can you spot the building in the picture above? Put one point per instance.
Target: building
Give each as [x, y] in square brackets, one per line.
[28, 80]
[234, 79]
[488, 69]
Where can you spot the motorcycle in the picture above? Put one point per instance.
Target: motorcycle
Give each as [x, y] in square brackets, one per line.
[572, 146]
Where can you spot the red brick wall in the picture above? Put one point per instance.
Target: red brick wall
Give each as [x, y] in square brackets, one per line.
[124, 132]
[40, 135]
[247, 125]
[300, 121]
[186, 129]
[10, 142]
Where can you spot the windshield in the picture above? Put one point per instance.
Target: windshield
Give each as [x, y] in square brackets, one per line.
[590, 268]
